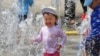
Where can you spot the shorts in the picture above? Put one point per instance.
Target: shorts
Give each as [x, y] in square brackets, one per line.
[53, 54]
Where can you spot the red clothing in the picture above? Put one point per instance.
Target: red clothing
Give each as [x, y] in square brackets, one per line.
[53, 54]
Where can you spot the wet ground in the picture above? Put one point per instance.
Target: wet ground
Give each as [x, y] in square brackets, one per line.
[71, 47]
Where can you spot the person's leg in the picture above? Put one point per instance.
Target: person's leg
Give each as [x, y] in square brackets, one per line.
[70, 11]
[87, 47]
[96, 46]
[84, 7]
[25, 17]
[22, 17]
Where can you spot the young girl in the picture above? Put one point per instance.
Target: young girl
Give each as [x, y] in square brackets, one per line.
[49, 34]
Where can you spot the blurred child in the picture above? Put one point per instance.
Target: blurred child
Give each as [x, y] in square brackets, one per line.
[24, 9]
[49, 34]
[92, 44]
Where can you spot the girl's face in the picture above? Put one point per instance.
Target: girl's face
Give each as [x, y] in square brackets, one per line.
[49, 20]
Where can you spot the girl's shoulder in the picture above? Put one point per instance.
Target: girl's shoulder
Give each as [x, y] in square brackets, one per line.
[43, 27]
[58, 29]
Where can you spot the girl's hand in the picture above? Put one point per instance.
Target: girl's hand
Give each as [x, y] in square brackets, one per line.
[58, 46]
[31, 41]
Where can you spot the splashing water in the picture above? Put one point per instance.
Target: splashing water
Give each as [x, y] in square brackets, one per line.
[9, 33]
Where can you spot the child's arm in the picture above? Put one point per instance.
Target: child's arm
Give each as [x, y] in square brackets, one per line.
[63, 38]
[38, 38]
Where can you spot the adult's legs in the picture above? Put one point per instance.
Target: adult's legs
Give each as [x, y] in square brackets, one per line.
[22, 18]
[84, 7]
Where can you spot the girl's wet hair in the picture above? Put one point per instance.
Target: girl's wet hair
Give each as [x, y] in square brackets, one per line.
[56, 17]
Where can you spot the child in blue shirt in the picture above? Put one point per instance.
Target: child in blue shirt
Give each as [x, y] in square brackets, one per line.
[24, 8]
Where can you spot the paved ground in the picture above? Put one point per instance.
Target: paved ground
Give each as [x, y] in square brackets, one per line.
[72, 45]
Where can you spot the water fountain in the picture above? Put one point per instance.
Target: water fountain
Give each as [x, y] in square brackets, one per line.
[57, 4]
[8, 34]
